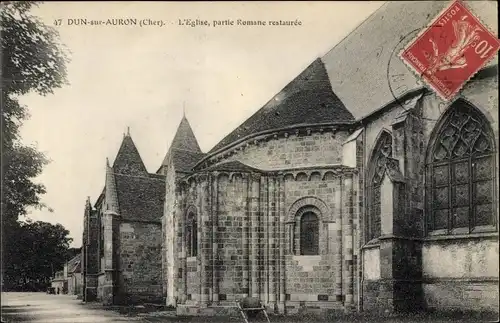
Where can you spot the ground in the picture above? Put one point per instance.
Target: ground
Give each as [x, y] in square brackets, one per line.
[41, 307]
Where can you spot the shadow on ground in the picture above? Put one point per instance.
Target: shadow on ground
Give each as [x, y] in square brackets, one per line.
[162, 314]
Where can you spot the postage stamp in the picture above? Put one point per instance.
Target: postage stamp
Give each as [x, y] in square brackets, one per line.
[454, 47]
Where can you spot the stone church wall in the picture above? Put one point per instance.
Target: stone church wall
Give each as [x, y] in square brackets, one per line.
[294, 151]
[472, 282]
[311, 278]
[140, 261]
[231, 213]
[469, 282]
[254, 248]
[457, 271]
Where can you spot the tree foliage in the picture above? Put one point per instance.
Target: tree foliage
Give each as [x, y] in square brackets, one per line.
[33, 60]
[41, 249]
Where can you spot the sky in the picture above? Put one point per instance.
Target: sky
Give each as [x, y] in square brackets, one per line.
[145, 78]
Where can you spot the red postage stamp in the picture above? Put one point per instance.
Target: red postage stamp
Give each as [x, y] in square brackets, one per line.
[451, 50]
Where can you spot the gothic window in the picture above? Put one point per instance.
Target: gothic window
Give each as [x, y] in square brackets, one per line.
[382, 151]
[460, 173]
[309, 234]
[191, 235]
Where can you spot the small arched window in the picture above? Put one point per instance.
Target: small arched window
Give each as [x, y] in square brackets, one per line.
[309, 234]
[191, 235]
[461, 173]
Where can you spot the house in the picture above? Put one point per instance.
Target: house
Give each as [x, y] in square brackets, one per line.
[74, 276]
[60, 282]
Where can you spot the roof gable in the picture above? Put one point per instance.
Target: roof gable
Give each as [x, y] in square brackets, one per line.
[308, 99]
[361, 66]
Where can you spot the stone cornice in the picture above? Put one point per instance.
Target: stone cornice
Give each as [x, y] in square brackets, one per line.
[256, 138]
[323, 172]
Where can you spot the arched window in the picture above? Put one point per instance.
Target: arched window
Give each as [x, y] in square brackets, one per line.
[382, 151]
[460, 174]
[309, 234]
[191, 235]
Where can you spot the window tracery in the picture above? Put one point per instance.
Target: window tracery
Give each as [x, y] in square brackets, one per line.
[461, 170]
[381, 157]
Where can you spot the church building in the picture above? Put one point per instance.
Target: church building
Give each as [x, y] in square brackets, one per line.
[354, 188]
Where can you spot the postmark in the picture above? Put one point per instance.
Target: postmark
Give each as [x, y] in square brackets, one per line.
[451, 50]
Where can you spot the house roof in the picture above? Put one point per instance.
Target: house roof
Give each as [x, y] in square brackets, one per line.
[74, 264]
[307, 99]
[184, 151]
[140, 198]
[128, 159]
[361, 66]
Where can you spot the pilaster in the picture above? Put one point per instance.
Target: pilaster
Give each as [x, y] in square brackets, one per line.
[199, 257]
[206, 247]
[215, 238]
[348, 246]
[263, 245]
[183, 251]
[338, 241]
[270, 244]
[281, 243]
[245, 241]
[254, 235]
[109, 219]
[109, 286]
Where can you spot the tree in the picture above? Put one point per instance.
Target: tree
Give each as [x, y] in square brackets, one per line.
[41, 249]
[33, 60]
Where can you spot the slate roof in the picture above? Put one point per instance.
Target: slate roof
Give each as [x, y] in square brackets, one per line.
[184, 151]
[74, 264]
[140, 198]
[131, 191]
[184, 138]
[307, 99]
[184, 160]
[128, 157]
[358, 65]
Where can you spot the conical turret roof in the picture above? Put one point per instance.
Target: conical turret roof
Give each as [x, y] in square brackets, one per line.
[184, 151]
[128, 160]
